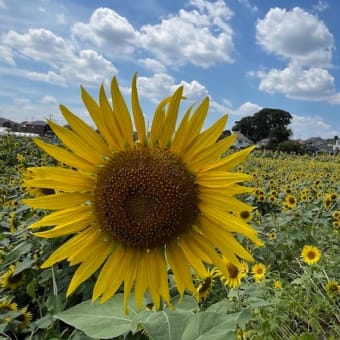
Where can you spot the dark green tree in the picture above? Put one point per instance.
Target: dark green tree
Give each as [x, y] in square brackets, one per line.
[224, 134]
[266, 123]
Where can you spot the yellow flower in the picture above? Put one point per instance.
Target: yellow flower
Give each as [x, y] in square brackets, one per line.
[336, 215]
[10, 281]
[290, 202]
[259, 272]
[235, 273]
[24, 318]
[272, 235]
[141, 203]
[277, 285]
[332, 288]
[7, 306]
[205, 285]
[310, 254]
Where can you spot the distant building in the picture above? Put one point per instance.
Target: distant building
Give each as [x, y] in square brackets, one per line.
[317, 145]
[242, 141]
[38, 127]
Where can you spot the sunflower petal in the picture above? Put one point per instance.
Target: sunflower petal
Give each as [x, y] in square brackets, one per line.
[57, 201]
[66, 157]
[137, 112]
[95, 259]
[85, 132]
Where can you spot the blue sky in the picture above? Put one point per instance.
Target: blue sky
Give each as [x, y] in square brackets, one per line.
[244, 54]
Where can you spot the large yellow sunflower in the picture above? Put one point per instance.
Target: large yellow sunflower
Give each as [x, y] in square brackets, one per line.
[140, 203]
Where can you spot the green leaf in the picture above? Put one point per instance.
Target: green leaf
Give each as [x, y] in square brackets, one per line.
[224, 306]
[244, 318]
[187, 304]
[211, 326]
[27, 263]
[100, 321]
[165, 325]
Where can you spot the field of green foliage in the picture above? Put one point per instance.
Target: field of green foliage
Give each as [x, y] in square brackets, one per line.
[292, 291]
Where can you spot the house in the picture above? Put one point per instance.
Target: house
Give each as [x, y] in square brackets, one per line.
[38, 127]
[317, 145]
[242, 141]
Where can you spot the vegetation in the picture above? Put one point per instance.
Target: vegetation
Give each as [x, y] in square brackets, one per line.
[266, 123]
[292, 291]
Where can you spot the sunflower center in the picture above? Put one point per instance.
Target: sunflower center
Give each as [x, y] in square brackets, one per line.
[14, 279]
[145, 197]
[311, 255]
[232, 271]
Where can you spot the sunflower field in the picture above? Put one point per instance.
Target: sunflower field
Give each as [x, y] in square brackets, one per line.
[291, 291]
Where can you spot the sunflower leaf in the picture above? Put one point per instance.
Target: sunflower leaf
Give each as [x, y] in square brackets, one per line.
[100, 321]
[211, 325]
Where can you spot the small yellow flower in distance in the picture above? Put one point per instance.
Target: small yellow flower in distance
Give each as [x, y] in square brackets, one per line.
[332, 288]
[205, 286]
[277, 285]
[310, 254]
[259, 272]
[234, 273]
[10, 281]
[272, 235]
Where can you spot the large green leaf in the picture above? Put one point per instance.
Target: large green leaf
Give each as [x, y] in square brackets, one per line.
[165, 325]
[211, 326]
[100, 321]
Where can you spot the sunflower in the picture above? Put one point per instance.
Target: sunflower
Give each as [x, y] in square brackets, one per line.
[310, 254]
[332, 288]
[235, 273]
[277, 285]
[138, 204]
[24, 318]
[7, 306]
[272, 235]
[206, 285]
[259, 271]
[290, 202]
[11, 281]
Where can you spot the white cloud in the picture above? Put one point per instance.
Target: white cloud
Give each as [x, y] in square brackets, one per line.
[248, 5]
[203, 37]
[296, 35]
[48, 100]
[41, 45]
[108, 30]
[297, 82]
[61, 19]
[153, 65]
[49, 77]
[303, 125]
[321, 6]
[67, 62]
[6, 55]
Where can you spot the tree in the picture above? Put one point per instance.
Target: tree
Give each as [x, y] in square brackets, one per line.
[266, 123]
[224, 134]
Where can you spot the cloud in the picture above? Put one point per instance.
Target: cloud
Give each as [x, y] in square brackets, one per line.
[6, 55]
[203, 37]
[298, 83]
[48, 100]
[67, 62]
[158, 86]
[108, 30]
[303, 125]
[296, 35]
[247, 4]
[321, 6]
[153, 65]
